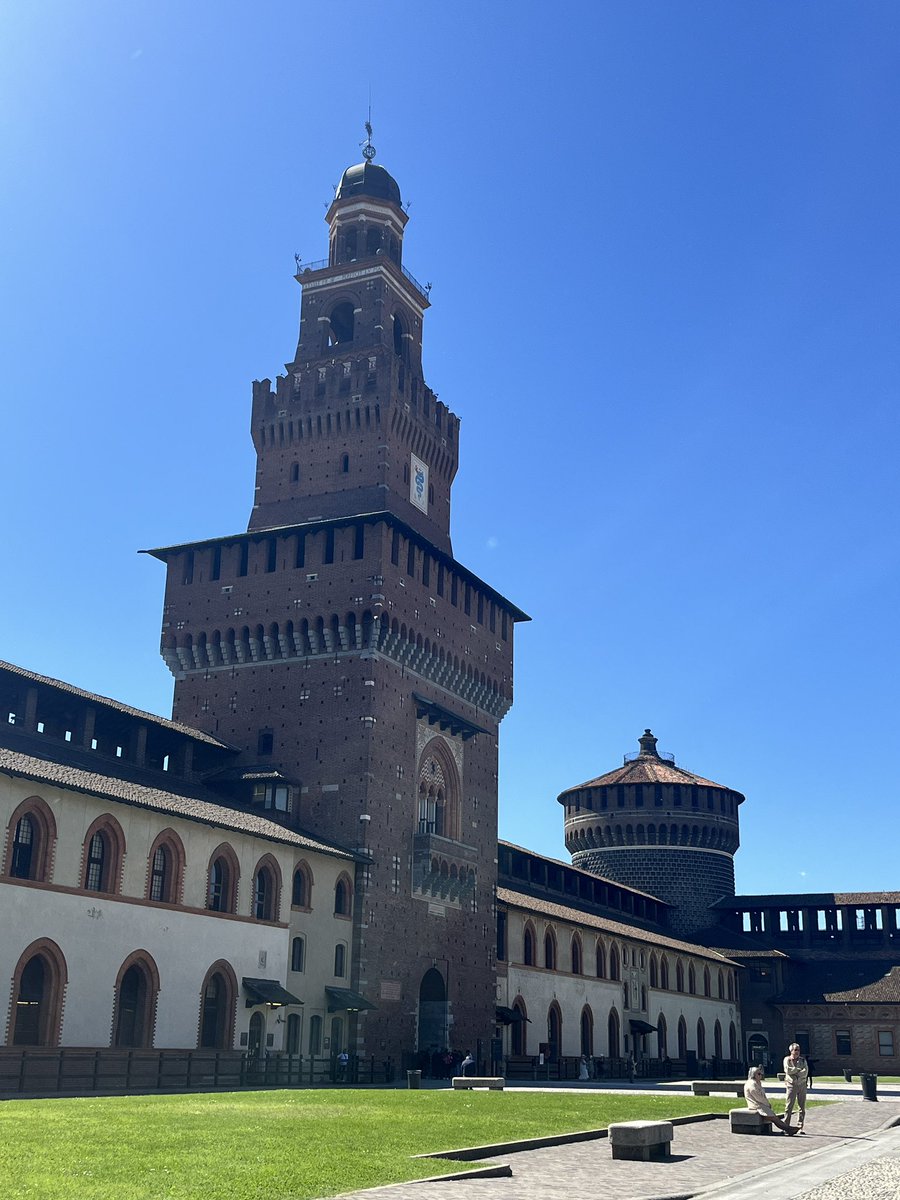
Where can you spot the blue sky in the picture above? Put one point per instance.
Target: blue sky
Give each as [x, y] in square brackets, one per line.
[663, 239]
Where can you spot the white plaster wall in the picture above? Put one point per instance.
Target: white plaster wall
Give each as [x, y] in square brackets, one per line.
[97, 932]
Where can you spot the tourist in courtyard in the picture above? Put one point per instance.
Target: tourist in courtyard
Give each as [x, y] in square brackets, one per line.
[758, 1101]
[796, 1077]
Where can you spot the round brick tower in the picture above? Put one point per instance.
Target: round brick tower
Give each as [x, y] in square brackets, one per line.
[654, 826]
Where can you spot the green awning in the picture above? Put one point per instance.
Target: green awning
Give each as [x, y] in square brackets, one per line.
[267, 991]
[346, 1000]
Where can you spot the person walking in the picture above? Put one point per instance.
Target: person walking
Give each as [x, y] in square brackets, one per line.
[758, 1101]
[796, 1077]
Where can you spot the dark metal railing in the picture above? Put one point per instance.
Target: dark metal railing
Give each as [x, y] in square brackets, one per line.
[321, 263]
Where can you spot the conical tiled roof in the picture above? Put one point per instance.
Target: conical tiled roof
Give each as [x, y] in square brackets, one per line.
[646, 767]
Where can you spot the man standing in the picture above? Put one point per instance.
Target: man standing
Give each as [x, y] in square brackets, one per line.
[796, 1075]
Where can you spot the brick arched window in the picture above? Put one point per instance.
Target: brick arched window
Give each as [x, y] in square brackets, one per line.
[343, 897]
[218, 997]
[519, 1027]
[165, 868]
[222, 877]
[134, 1009]
[576, 954]
[529, 952]
[301, 888]
[30, 841]
[438, 791]
[601, 960]
[103, 856]
[39, 984]
[550, 949]
[266, 899]
[614, 971]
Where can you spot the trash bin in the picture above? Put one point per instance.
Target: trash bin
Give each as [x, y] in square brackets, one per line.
[869, 1083]
[413, 1079]
[847, 1076]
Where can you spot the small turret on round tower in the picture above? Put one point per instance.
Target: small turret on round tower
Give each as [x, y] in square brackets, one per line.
[653, 826]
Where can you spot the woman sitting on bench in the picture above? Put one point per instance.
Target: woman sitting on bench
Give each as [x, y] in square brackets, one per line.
[758, 1101]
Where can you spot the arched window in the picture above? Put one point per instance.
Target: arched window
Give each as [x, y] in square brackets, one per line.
[721, 980]
[137, 986]
[221, 892]
[682, 1038]
[31, 837]
[266, 881]
[550, 950]
[732, 1042]
[664, 973]
[301, 889]
[692, 979]
[554, 1031]
[717, 1040]
[345, 464]
[298, 954]
[343, 897]
[662, 1037]
[576, 954]
[104, 850]
[166, 868]
[528, 950]
[218, 998]
[614, 971]
[315, 1035]
[398, 335]
[701, 1039]
[438, 791]
[679, 976]
[519, 1027]
[341, 324]
[373, 239]
[340, 960]
[612, 1034]
[587, 1031]
[39, 982]
[292, 1040]
[654, 972]
[601, 960]
[643, 997]
[730, 985]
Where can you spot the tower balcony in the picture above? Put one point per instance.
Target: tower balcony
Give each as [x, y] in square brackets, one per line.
[325, 264]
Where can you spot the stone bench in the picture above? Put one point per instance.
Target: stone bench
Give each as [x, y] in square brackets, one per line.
[705, 1087]
[744, 1121]
[495, 1082]
[641, 1140]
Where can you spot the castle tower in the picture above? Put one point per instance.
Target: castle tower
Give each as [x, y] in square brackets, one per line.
[360, 668]
[654, 826]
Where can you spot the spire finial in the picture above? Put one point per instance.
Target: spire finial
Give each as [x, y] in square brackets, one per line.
[368, 148]
[647, 744]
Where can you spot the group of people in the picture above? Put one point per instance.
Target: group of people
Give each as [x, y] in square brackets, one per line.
[796, 1081]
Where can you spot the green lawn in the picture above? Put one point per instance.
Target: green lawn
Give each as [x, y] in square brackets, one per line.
[284, 1145]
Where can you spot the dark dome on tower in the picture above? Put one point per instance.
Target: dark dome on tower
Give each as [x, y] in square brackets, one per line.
[368, 179]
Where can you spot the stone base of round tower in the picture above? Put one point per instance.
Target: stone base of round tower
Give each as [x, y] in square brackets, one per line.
[689, 880]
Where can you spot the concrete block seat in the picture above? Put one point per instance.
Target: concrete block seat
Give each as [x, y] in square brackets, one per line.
[705, 1087]
[495, 1082]
[742, 1120]
[641, 1140]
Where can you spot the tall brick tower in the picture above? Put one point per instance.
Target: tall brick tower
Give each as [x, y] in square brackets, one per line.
[652, 825]
[358, 666]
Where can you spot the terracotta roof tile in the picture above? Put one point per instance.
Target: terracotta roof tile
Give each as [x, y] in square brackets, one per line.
[562, 912]
[108, 787]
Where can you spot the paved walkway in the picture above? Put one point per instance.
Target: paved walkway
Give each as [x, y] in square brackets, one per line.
[849, 1151]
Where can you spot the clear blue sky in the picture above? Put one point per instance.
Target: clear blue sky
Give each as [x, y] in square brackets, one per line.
[663, 239]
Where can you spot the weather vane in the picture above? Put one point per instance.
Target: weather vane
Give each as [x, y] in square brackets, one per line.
[368, 148]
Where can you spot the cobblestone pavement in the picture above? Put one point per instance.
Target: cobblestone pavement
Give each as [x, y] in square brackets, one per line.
[841, 1143]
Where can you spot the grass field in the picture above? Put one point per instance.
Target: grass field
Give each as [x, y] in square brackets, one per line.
[284, 1145]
